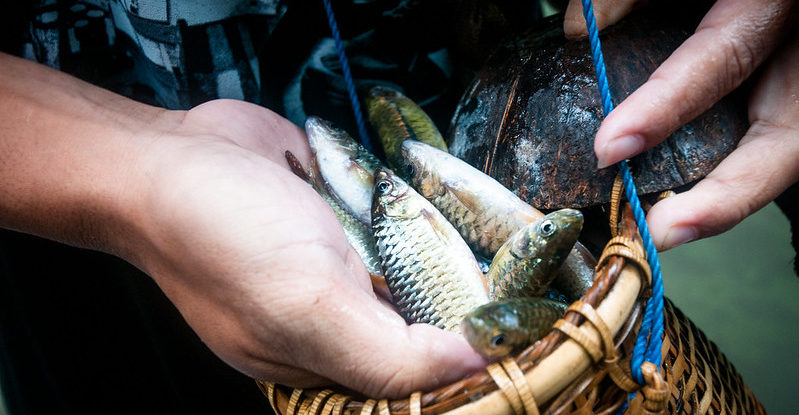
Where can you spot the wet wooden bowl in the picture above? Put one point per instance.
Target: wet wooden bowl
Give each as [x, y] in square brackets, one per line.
[530, 117]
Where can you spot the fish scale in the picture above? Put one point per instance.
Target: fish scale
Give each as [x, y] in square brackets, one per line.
[485, 212]
[411, 282]
[359, 236]
[431, 273]
[473, 228]
[397, 118]
[525, 265]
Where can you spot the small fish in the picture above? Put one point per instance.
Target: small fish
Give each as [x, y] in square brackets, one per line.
[576, 275]
[526, 264]
[343, 167]
[397, 118]
[484, 211]
[358, 235]
[505, 327]
[431, 272]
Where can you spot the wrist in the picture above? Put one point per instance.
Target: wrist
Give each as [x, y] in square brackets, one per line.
[72, 156]
[124, 182]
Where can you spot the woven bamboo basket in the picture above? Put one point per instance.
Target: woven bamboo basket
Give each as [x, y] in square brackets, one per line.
[581, 367]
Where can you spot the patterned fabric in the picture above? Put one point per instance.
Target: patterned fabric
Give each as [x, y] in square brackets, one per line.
[172, 53]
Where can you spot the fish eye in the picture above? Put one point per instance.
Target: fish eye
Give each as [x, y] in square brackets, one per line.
[410, 169]
[384, 187]
[547, 228]
[498, 340]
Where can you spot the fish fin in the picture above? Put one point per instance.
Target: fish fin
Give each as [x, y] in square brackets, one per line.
[380, 287]
[361, 172]
[583, 253]
[466, 198]
[296, 167]
[317, 181]
[437, 225]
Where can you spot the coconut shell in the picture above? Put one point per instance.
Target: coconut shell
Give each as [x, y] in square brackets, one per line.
[530, 117]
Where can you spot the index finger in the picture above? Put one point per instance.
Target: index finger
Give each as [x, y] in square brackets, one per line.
[762, 167]
[732, 40]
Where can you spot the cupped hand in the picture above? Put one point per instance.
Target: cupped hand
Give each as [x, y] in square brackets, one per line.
[259, 267]
[735, 38]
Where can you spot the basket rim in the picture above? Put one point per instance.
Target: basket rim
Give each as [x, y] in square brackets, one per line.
[549, 366]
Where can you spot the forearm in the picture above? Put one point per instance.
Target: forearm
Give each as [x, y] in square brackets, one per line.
[71, 156]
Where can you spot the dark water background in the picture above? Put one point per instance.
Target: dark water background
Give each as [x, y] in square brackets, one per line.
[740, 289]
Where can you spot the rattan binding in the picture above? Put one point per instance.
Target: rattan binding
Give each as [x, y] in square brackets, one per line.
[561, 375]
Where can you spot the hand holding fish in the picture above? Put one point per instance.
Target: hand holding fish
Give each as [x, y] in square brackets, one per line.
[203, 201]
[260, 268]
[734, 39]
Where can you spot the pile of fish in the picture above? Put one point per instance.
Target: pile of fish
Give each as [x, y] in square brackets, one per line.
[423, 224]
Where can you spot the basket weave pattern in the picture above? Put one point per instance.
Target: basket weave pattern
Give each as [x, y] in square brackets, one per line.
[695, 377]
[700, 377]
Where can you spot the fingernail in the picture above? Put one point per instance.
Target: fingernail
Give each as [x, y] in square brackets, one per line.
[618, 149]
[677, 236]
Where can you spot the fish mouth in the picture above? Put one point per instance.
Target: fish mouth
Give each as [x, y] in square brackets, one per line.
[410, 148]
[469, 330]
[318, 132]
[474, 336]
[322, 133]
[317, 125]
[571, 217]
[411, 156]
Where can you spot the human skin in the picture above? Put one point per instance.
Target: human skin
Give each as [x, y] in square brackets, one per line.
[204, 203]
[736, 40]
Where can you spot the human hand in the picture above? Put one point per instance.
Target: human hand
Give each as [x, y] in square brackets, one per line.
[259, 267]
[731, 42]
[203, 202]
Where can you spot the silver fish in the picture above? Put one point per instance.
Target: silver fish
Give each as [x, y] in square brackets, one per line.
[484, 211]
[431, 272]
[344, 168]
[358, 235]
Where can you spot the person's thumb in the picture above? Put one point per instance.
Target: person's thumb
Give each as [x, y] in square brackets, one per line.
[762, 167]
[368, 347]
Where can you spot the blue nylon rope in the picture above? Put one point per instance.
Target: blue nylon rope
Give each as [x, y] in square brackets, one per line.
[648, 344]
[345, 69]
